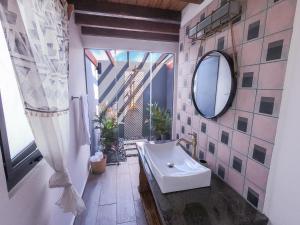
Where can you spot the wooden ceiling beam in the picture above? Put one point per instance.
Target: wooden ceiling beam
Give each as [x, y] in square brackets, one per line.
[95, 31]
[127, 11]
[193, 1]
[91, 57]
[110, 57]
[124, 23]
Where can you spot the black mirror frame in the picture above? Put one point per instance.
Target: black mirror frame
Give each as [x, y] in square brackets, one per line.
[233, 84]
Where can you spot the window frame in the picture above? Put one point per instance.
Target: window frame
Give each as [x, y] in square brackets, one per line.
[17, 168]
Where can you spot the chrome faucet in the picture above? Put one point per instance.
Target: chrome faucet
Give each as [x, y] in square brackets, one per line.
[193, 143]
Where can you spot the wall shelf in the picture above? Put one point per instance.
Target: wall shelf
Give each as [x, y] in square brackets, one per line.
[219, 18]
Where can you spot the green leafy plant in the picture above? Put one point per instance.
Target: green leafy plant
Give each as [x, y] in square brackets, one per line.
[99, 119]
[107, 122]
[161, 120]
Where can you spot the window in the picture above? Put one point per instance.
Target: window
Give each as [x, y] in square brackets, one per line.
[17, 144]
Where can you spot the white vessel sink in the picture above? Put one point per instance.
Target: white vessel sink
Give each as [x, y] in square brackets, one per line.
[173, 169]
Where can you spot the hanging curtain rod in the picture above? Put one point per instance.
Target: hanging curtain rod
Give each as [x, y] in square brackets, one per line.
[45, 111]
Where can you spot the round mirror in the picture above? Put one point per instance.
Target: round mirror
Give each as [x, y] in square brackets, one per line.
[214, 84]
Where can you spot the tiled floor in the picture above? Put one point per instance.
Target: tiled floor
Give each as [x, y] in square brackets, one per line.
[112, 198]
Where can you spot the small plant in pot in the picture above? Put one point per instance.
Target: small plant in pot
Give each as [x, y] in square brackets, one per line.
[106, 121]
[161, 121]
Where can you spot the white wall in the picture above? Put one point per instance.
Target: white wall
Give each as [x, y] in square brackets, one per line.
[93, 96]
[282, 203]
[31, 202]
[128, 44]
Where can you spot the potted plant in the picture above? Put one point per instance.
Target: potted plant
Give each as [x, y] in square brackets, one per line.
[108, 134]
[106, 121]
[161, 121]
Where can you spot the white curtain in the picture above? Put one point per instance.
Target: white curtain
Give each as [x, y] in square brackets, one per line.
[37, 37]
[52, 137]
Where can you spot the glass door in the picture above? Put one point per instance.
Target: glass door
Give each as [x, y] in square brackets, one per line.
[130, 83]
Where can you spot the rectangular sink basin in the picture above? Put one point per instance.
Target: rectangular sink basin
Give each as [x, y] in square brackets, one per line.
[173, 169]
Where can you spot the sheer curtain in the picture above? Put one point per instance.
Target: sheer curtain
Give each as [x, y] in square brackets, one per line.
[37, 37]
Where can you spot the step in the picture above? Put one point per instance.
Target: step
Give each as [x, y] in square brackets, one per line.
[131, 146]
[131, 153]
[128, 142]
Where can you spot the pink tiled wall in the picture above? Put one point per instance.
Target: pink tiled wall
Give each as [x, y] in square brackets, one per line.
[275, 23]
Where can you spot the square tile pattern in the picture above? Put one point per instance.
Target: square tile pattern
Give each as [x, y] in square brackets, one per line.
[237, 164]
[253, 30]
[242, 124]
[220, 43]
[203, 127]
[211, 147]
[247, 79]
[266, 105]
[201, 154]
[225, 137]
[238, 145]
[221, 171]
[274, 50]
[252, 197]
[259, 153]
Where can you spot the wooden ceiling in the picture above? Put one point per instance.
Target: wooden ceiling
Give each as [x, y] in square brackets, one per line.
[162, 4]
[157, 20]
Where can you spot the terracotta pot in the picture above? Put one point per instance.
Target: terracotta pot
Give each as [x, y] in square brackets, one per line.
[99, 167]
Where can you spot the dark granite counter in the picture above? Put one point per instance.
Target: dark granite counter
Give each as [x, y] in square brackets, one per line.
[218, 204]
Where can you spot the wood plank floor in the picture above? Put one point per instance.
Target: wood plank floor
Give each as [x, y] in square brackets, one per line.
[112, 198]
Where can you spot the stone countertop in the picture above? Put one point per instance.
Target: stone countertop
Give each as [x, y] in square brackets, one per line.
[218, 204]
